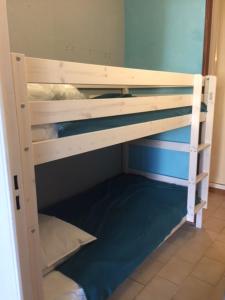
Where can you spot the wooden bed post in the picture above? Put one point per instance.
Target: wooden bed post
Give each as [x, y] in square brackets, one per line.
[28, 177]
[205, 154]
[206, 138]
[194, 143]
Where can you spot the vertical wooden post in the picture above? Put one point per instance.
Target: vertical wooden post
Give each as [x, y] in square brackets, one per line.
[15, 199]
[206, 137]
[194, 142]
[28, 176]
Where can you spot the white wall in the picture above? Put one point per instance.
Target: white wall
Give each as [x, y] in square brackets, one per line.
[77, 30]
[89, 31]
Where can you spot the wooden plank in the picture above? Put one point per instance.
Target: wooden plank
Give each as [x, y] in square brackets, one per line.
[199, 206]
[28, 176]
[14, 259]
[193, 160]
[46, 112]
[158, 177]
[54, 149]
[202, 147]
[201, 177]
[199, 214]
[207, 133]
[52, 71]
[183, 147]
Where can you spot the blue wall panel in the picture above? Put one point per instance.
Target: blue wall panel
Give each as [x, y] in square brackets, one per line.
[159, 161]
[165, 35]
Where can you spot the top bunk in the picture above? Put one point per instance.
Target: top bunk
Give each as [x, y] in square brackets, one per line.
[85, 124]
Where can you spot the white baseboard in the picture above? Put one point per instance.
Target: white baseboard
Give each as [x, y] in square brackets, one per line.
[217, 186]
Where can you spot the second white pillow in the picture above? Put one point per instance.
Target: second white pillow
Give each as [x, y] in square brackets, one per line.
[59, 240]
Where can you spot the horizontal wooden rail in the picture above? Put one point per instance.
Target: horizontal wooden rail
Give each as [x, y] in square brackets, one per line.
[54, 149]
[46, 112]
[53, 71]
[175, 146]
[158, 177]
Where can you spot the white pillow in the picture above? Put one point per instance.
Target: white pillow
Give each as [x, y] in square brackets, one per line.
[59, 240]
[38, 91]
[57, 286]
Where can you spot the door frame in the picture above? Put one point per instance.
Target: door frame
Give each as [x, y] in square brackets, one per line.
[207, 36]
[211, 38]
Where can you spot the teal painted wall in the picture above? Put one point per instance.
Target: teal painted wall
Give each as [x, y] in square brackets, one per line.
[164, 35]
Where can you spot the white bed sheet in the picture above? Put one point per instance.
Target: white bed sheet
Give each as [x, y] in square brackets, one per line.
[60, 287]
[50, 92]
[44, 132]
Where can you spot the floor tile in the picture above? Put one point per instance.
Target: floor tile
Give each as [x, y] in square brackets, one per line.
[217, 251]
[219, 213]
[203, 237]
[176, 270]
[213, 235]
[193, 289]
[165, 252]
[208, 213]
[158, 289]
[221, 236]
[182, 235]
[214, 224]
[209, 270]
[219, 291]
[192, 251]
[216, 197]
[223, 202]
[145, 272]
[127, 291]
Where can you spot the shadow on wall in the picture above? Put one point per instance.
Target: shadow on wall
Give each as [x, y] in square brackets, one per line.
[61, 179]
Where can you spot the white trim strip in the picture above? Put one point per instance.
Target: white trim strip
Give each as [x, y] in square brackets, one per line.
[217, 186]
[162, 145]
[158, 177]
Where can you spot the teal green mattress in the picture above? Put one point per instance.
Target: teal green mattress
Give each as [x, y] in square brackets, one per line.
[131, 216]
[84, 126]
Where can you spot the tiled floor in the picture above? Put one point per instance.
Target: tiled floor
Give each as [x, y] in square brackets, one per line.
[189, 266]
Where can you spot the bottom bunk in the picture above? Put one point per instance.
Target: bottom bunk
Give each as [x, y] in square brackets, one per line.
[131, 216]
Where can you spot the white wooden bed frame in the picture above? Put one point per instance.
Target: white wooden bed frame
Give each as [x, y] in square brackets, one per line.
[32, 70]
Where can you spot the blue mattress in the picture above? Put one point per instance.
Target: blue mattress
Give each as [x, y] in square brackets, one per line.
[130, 215]
[91, 125]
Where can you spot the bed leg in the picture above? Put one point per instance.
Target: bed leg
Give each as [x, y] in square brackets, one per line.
[199, 219]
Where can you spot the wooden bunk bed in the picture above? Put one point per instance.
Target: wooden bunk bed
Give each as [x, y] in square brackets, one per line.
[33, 70]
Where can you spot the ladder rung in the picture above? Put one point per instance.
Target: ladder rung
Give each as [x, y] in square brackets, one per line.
[201, 176]
[199, 206]
[202, 147]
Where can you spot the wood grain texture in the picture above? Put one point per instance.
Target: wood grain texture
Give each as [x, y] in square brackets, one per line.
[46, 112]
[52, 71]
[54, 149]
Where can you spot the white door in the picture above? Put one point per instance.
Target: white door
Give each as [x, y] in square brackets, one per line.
[218, 149]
